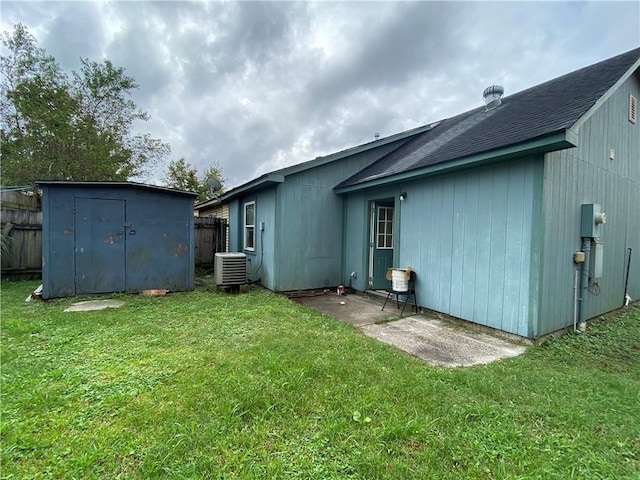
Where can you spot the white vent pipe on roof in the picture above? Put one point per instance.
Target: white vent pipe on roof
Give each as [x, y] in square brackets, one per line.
[492, 96]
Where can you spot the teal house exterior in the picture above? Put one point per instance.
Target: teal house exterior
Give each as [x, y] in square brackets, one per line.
[487, 207]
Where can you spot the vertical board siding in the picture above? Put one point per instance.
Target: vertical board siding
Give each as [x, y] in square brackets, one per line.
[497, 268]
[457, 247]
[481, 236]
[356, 239]
[260, 261]
[513, 303]
[586, 175]
[304, 221]
[309, 248]
[470, 213]
[468, 237]
[446, 231]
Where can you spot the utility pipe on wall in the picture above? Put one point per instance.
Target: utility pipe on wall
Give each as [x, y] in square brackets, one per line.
[584, 283]
[576, 275]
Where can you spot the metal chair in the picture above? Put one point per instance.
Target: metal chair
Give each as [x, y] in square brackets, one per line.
[411, 290]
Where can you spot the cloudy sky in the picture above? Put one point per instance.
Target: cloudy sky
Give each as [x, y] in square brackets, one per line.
[258, 86]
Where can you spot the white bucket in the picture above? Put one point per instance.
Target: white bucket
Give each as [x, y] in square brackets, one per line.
[399, 280]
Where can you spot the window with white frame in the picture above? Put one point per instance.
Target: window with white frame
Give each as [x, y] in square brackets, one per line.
[250, 225]
[385, 228]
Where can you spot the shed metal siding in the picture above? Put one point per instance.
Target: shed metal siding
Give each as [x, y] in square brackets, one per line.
[586, 175]
[157, 236]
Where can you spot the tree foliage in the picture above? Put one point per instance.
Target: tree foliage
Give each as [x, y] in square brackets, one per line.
[183, 176]
[53, 128]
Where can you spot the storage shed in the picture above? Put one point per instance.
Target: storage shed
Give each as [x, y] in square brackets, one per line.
[101, 237]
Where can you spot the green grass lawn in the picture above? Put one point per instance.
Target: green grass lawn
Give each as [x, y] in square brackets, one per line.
[208, 385]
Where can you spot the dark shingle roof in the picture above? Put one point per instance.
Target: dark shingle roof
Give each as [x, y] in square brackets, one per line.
[547, 108]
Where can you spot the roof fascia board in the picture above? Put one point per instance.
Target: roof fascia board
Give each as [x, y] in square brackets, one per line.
[207, 203]
[258, 184]
[606, 96]
[100, 184]
[556, 141]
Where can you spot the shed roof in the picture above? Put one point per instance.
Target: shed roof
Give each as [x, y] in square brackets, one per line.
[539, 112]
[69, 183]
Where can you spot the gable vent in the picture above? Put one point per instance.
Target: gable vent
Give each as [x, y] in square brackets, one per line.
[633, 109]
[492, 96]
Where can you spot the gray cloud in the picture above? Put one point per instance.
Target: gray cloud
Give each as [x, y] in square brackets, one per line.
[262, 85]
[76, 31]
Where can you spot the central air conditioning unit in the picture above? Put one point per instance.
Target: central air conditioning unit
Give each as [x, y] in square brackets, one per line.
[230, 269]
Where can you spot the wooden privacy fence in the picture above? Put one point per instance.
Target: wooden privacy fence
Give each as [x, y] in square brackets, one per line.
[210, 237]
[21, 236]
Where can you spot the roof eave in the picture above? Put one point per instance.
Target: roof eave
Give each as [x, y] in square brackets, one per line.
[123, 184]
[257, 184]
[207, 203]
[556, 141]
[278, 176]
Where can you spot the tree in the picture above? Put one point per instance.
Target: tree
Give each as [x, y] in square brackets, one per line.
[183, 176]
[56, 129]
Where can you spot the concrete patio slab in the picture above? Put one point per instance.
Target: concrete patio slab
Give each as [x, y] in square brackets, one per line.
[352, 308]
[92, 305]
[442, 344]
[436, 341]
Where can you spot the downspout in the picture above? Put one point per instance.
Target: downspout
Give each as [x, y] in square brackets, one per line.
[584, 284]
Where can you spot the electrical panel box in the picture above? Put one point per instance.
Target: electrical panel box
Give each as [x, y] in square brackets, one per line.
[591, 221]
[596, 261]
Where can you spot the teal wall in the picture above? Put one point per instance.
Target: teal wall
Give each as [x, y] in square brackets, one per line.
[303, 220]
[356, 238]
[586, 175]
[260, 261]
[468, 236]
[310, 231]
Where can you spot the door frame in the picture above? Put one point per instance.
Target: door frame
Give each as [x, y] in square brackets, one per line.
[373, 210]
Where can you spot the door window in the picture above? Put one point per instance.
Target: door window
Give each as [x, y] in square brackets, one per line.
[385, 228]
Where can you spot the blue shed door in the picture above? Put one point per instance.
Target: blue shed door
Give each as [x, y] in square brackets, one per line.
[99, 245]
[381, 240]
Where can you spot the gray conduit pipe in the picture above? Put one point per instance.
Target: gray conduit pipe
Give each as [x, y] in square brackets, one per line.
[584, 284]
[576, 276]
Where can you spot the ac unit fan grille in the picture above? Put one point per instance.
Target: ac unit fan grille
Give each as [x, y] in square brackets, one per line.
[230, 269]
